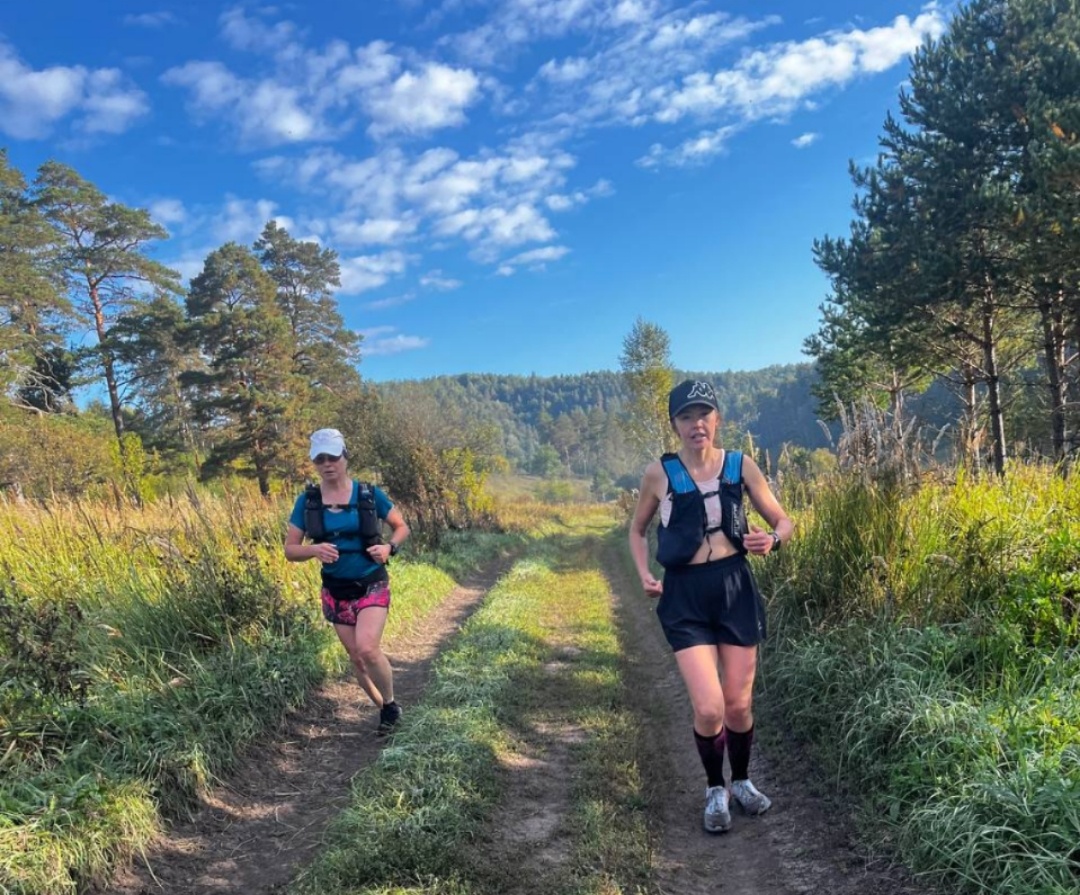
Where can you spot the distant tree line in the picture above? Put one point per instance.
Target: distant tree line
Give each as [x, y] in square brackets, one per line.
[962, 266]
[583, 425]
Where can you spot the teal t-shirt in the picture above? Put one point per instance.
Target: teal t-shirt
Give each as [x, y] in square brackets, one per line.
[343, 528]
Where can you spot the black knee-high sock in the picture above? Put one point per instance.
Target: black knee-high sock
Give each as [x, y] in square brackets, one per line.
[711, 750]
[738, 750]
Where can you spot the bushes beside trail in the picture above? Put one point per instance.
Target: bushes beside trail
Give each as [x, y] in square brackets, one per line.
[927, 643]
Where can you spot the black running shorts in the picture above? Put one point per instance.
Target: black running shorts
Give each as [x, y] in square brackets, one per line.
[712, 603]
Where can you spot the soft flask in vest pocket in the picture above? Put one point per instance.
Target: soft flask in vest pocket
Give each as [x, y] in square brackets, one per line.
[678, 541]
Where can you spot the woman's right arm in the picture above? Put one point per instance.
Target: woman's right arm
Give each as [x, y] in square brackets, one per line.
[639, 528]
[297, 551]
[295, 548]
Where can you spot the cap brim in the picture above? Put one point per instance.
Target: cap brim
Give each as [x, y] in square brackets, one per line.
[683, 407]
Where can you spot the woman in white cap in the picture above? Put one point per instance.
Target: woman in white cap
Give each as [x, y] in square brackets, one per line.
[710, 608]
[342, 520]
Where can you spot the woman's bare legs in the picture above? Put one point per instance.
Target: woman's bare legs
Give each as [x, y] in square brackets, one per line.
[351, 637]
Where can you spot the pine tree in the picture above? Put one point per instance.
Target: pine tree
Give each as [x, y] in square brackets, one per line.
[247, 397]
[101, 253]
[35, 369]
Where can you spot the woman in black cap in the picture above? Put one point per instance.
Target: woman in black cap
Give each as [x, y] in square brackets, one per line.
[710, 608]
[342, 520]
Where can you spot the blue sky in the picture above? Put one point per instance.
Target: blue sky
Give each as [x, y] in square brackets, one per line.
[509, 183]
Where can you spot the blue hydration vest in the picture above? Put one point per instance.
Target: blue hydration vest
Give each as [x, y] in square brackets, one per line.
[688, 526]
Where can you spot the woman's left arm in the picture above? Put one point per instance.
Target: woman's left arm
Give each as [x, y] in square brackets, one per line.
[399, 531]
[759, 541]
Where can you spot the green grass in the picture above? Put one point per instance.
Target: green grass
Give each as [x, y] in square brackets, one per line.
[539, 654]
[925, 645]
[142, 650]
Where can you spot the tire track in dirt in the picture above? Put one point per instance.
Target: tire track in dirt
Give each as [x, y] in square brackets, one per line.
[253, 833]
[802, 846]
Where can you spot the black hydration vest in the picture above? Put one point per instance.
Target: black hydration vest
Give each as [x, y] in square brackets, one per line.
[369, 528]
[688, 525]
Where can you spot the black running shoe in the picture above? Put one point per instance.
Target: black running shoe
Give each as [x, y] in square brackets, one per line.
[389, 715]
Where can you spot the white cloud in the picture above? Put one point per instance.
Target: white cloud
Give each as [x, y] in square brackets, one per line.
[687, 78]
[434, 98]
[392, 301]
[696, 151]
[644, 55]
[491, 201]
[33, 102]
[566, 71]
[534, 259]
[262, 111]
[804, 140]
[362, 273]
[518, 22]
[213, 86]
[150, 19]
[299, 93]
[564, 202]
[349, 232]
[168, 211]
[434, 279]
[384, 340]
[246, 33]
[242, 220]
[110, 106]
[496, 227]
[776, 79]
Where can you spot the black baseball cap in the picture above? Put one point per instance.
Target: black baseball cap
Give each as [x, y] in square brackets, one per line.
[689, 392]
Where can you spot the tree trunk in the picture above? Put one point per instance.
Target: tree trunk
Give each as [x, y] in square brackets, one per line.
[107, 363]
[1051, 312]
[993, 383]
[970, 438]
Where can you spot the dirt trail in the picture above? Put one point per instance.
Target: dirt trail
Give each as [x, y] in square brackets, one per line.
[802, 845]
[254, 834]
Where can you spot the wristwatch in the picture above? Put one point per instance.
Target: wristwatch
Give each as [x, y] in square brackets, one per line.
[393, 549]
[776, 542]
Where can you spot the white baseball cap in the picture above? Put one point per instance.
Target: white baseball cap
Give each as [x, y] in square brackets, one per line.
[327, 441]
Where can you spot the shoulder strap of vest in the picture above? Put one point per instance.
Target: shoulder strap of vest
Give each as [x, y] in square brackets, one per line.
[314, 527]
[370, 532]
[732, 473]
[678, 477]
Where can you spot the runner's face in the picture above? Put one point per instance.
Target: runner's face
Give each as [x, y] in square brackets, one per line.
[329, 467]
[696, 426]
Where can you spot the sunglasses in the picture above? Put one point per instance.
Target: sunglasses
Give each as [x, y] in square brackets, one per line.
[327, 458]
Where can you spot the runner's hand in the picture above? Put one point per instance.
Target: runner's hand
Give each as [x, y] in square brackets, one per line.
[325, 553]
[653, 588]
[380, 553]
[757, 541]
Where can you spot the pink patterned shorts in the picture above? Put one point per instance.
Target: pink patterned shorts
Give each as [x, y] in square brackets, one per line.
[344, 612]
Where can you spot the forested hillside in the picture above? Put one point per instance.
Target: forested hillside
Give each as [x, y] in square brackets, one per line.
[548, 425]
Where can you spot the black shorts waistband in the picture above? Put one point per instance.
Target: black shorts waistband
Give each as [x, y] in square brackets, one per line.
[701, 568]
[379, 574]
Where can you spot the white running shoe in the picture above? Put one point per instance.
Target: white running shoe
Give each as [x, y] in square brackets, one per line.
[748, 798]
[717, 814]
